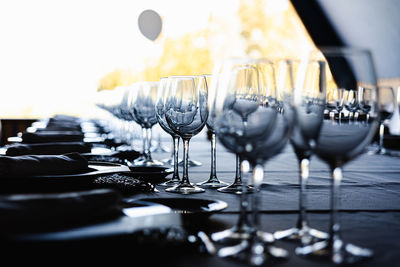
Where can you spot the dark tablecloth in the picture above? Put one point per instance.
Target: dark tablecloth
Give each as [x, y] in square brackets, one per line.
[370, 205]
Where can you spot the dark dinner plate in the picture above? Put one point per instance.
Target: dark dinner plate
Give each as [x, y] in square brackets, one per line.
[154, 174]
[190, 208]
[135, 218]
[81, 180]
[94, 169]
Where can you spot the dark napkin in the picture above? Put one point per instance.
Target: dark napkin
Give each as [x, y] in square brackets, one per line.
[63, 127]
[30, 165]
[52, 136]
[27, 212]
[55, 148]
[119, 157]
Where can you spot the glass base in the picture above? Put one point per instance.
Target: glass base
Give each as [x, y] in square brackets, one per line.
[169, 161]
[236, 232]
[236, 188]
[191, 163]
[160, 149]
[185, 188]
[142, 162]
[254, 251]
[212, 183]
[243, 232]
[171, 182]
[338, 253]
[306, 235]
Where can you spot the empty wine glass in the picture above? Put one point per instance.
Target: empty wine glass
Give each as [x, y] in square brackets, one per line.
[160, 115]
[186, 113]
[213, 181]
[310, 103]
[142, 99]
[255, 120]
[386, 105]
[338, 97]
[340, 143]
[351, 103]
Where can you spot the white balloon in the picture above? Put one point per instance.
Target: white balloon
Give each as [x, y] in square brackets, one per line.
[150, 24]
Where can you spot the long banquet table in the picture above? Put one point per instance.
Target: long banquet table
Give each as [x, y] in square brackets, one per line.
[370, 206]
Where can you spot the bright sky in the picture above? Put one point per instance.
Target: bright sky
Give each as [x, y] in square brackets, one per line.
[53, 52]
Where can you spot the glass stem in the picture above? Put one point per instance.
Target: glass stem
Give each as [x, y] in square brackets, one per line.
[244, 203]
[381, 133]
[159, 140]
[185, 178]
[258, 175]
[175, 141]
[146, 143]
[335, 205]
[238, 176]
[213, 174]
[303, 178]
[144, 140]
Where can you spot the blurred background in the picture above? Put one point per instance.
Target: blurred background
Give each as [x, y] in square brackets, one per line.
[55, 55]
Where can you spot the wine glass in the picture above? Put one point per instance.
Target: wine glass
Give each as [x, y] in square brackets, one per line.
[351, 103]
[160, 115]
[213, 181]
[310, 103]
[339, 143]
[141, 100]
[186, 113]
[386, 105]
[255, 120]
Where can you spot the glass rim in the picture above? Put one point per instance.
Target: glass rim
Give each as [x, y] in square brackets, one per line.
[343, 50]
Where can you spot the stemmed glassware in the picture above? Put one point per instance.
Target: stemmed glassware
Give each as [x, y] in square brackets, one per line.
[160, 115]
[387, 105]
[339, 143]
[186, 113]
[254, 120]
[310, 102]
[351, 103]
[213, 181]
[141, 100]
[237, 186]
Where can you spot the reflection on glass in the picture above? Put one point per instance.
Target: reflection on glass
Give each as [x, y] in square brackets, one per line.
[310, 105]
[142, 101]
[160, 115]
[213, 181]
[341, 141]
[186, 113]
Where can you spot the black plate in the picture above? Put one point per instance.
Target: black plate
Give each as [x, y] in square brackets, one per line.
[106, 155]
[94, 169]
[135, 218]
[190, 207]
[154, 174]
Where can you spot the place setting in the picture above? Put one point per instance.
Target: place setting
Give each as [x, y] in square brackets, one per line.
[231, 133]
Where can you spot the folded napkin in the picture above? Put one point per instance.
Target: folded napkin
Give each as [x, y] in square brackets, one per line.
[55, 148]
[60, 128]
[52, 136]
[115, 157]
[64, 118]
[27, 212]
[30, 165]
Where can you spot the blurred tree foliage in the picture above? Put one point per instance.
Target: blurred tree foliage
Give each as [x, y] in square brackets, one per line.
[269, 28]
